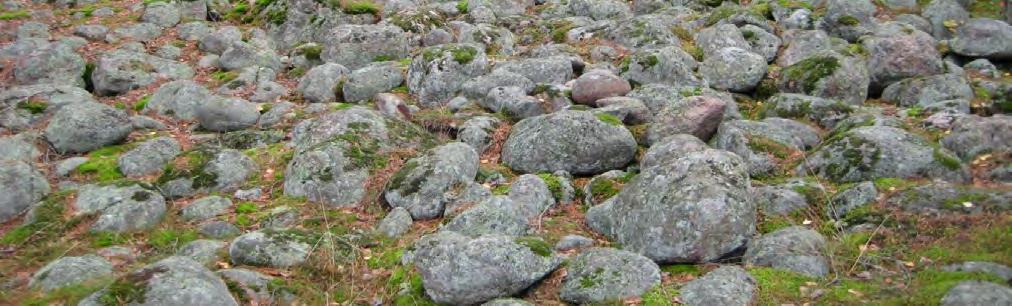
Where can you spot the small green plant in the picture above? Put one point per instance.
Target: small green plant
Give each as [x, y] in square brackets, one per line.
[34, 106]
[462, 6]
[107, 239]
[915, 111]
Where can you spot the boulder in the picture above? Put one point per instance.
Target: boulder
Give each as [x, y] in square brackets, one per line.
[574, 141]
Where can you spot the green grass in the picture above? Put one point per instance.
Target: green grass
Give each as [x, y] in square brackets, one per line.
[171, 239]
[462, 6]
[69, 295]
[946, 160]
[360, 7]
[778, 286]
[660, 295]
[107, 239]
[49, 222]
[103, 163]
[7, 16]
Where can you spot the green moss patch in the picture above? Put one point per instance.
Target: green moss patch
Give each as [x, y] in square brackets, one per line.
[104, 163]
[536, 245]
[810, 71]
[609, 119]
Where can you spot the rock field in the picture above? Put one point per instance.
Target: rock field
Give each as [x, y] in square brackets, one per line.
[505, 152]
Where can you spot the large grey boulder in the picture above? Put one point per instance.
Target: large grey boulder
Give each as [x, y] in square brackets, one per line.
[512, 101]
[269, 248]
[326, 128]
[230, 169]
[203, 251]
[669, 65]
[175, 280]
[82, 127]
[848, 19]
[370, 80]
[532, 195]
[496, 215]
[396, 223]
[55, 63]
[733, 69]
[123, 70]
[120, 209]
[696, 208]
[69, 271]
[763, 143]
[697, 116]
[179, 99]
[977, 293]
[999, 270]
[941, 12]
[925, 91]
[598, 84]
[15, 114]
[326, 174]
[982, 37]
[725, 35]
[802, 44]
[249, 55]
[163, 14]
[21, 186]
[871, 152]
[477, 132]
[602, 274]
[222, 114]
[547, 70]
[354, 46]
[727, 285]
[795, 248]
[206, 208]
[827, 74]
[824, 112]
[149, 157]
[218, 41]
[669, 149]
[459, 270]
[19, 147]
[852, 198]
[321, 83]
[574, 141]
[972, 135]
[422, 183]
[897, 55]
[439, 72]
[478, 88]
